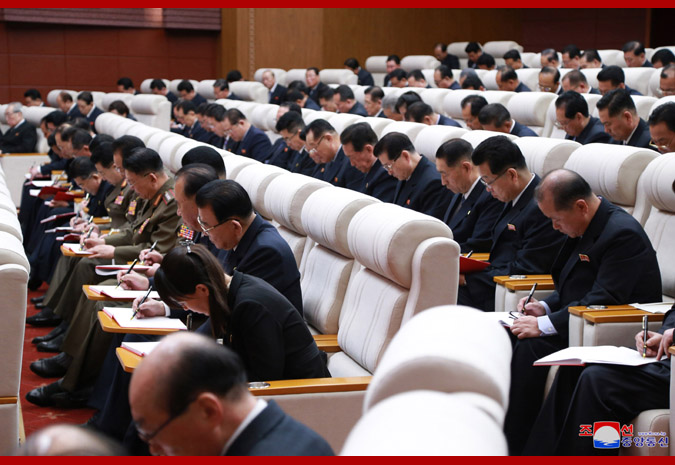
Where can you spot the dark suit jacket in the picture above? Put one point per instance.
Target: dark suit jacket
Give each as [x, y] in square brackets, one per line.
[612, 263]
[358, 109]
[96, 206]
[197, 132]
[255, 144]
[455, 85]
[278, 95]
[380, 114]
[378, 183]
[198, 99]
[301, 163]
[647, 64]
[521, 130]
[19, 139]
[92, 117]
[523, 88]
[594, 91]
[273, 432]
[171, 97]
[365, 78]
[641, 137]
[341, 173]
[312, 105]
[314, 93]
[280, 155]
[593, 132]
[445, 121]
[451, 61]
[262, 252]
[633, 91]
[423, 192]
[472, 225]
[386, 82]
[74, 112]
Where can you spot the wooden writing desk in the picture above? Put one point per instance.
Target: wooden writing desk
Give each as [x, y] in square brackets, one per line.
[531, 278]
[110, 326]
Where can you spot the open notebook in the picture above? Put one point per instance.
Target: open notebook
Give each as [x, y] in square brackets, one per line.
[75, 248]
[115, 292]
[123, 318]
[580, 356]
[109, 270]
[139, 348]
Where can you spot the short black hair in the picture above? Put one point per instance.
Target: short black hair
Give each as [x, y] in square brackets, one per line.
[477, 103]
[226, 198]
[345, 92]
[407, 99]
[417, 111]
[592, 54]
[359, 135]
[204, 155]
[221, 84]
[612, 73]
[292, 107]
[234, 75]
[291, 122]
[472, 82]
[126, 145]
[234, 115]
[394, 144]
[572, 51]
[65, 96]
[495, 114]
[566, 191]
[195, 176]
[445, 71]
[143, 160]
[86, 97]
[81, 123]
[326, 93]
[512, 54]
[663, 56]
[294, 95]
[215, 111]
[617, 101]
[376, 93]
[77, 137]
[313, 68]
[573, 103]
[417, 74]
[398, 73]
[575, 77]
[508, 73]
[634, 46]
[125, 82]
[120, 107]
[550, 54]
[33, 94]
[395, 58]
[499, 153]
[664, 114]
[486, 59]
[472, 47]
[102, 154]
[186, 106]
[186, 86]
[352, 63]
[157, 84]
[98, 140]
[553, 71]
[318, 128]
[56, 117]
[81, 167]
[454, 151]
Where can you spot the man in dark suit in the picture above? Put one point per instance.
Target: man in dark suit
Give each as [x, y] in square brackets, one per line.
[472, 212]
[21, 136]
[512, 59]
[416, 79]
[612, 78]
[314, 84]
[323, 141]
[444, 79]
[473, 51]
[617, 112]
[372, 102]
[523, 241]
[662, 127]
[576, 80]
[187, 92]
[446, 59]
[507, 79]
[364, 77]
[290, 126]
[87, 107]
[495, 117]
[64, 101]
[393, 62]
[419, 184]
[216, 415]
[420, 112]
[249, 141]
[347, 102]
[572, 116]
[606, 259]
[549, 80]
[158, 87]
[221, 89]
[358, 142]
[634, 55]
[185, 114]
[277, 92]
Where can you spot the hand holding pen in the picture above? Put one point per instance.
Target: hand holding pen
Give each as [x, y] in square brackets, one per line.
[145, 297]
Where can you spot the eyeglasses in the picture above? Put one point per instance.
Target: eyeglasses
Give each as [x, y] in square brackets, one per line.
[132, 184]
[147, 437]
[317, 144]
[288, 138]
[544, 88]
[490, 183]
[206, 229]
[561, 125]
[663, 148]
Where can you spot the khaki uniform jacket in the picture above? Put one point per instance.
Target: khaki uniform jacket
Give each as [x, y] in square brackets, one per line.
[117, 204]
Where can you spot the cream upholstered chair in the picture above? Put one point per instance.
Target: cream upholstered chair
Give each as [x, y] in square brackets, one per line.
[113, 96]
[152, 110]
[529, 77]
[9, 223]
[145, 85]
[529, 108]
[377, 66]
[285, 197]
[338, 76]
[245, 107]
[638, 78]
[452, 103]
[309, 117]
[264, 116]
[295, 74]
[458, 49]
[378, 124]
[51, 97]
[168, 148]
[489, 78]
[549, 127]
[429, 77]
[591, 76]
[476, 137]
[205, 89]
[435, 98]
[411, 62]
[142, 131]
[255, 179]
[431, 137]
[176, 161]
[497, 48]
[359, 92]
[279, 75]
[543, 154]
[173, 85]
[252, 91]
[342, 120]
[108, 122]
[612, 57]
[408, 128]
[643, 105]
[157, 138]
[121, 128]
[428, 423]
[235, 163]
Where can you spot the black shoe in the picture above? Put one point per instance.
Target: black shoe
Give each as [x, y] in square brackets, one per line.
[45, 318]
[92, 423]
[40, 305]
[52, 346]
[34, 284]
[77, 399]
[37, 300]
[52, 367]
[42, 395]
[60, 329]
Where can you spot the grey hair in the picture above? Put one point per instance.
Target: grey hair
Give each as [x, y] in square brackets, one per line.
[15, 107]
[389, 101]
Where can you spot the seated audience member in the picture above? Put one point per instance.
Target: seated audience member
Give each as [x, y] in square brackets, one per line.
[118, 107]
[328, 100]
[126, 86]
[158, 87]
[314, 84]
[33, 98]
[473, 83]
[471, 107]
[419, 184]
[576, 80]
[69, 440]
[444, 79]
[472, 212]
[204, 407]
[611, 78]
[372, 101]
[234, 75]
[346, 101]
[290, 126]
[571, 57]
[662, 127]
[214, 117]
[486, 62]
[186, 115]
[572, 116]
[21, 136]
[465, 73]
[249, 141]
[364, 77]
[495, 117]
[281, 154]
[617, 112]
[300, 96]
[473, 51]
[187, 92]
[662, 58]
[48, 125]
[405, 99]
[667, 81]
[277, 92]
[202, 155]
[389, 102]
[446, 59]
[523, 241]
[549, 80]
[590, 59]
[416, 79]
[634, 55]
[549, 57]
[88, 109]
[358, 142]
[65, 103]
[393, 62]
[398, 78]
[323, 142]
[513, 60]
[76, 142]
[606, 259]
[420, 112]
[221, 89]
[507, 79]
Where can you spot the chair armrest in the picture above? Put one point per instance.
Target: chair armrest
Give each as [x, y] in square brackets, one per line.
[102, 220]
[621, 316]
[327, 342]
[531, 278]
[579, 311]
[520, 285]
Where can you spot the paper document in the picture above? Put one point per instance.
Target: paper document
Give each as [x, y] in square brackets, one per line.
[42, 183]
[139, 348]
[656, 307]
[611, 355]
[110, 270]
[123, 318]
[75, 248]
[502, 317]
[34, 192]
[119, 293]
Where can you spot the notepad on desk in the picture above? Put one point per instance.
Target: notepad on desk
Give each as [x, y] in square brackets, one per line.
[469, 265]
[42, 183]
[123, 318]
[115, 292]
[75, 248]
[109, 270]
[656, 307]
[139, 348]
[580, 356]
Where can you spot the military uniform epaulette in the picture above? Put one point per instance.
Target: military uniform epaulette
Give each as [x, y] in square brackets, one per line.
[168, 196]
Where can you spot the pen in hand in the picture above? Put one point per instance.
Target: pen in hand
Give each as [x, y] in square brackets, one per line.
[133, 264]
[87, 235]
[529, 296]
[469, 254]
[644, 336]
[141, 302]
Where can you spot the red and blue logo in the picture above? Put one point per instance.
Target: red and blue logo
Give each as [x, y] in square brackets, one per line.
[606, 435]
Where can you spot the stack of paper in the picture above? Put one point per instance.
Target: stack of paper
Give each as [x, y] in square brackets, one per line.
[109, 270]
[115, 292]
[123, 318]
[580, 356]
[657, 307]
[75, 248]
[139, 348]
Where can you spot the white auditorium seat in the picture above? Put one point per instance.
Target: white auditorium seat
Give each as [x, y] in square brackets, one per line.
[173, 85]
[158, 137]
[408, 128]
[264, 116]
[612, 57]
[476, 137]
[429, 77]
[342, 120]
[638, 78]
[430, 138]
[497, 48]
[458, 49]
[243, 106]
[51, 96]
[591, 76]
[205, 89]
[377, 66]
[152, 110]
[549, 128]
[34, 115]
[452, 102]
[338, 76]
[107, 122]
[529, 77]
[279, 75]
[643, 105]
[296, 74]
[9, 223]
[655, 85]
[252, 91]
[529, 109]
[435, 98]
[543, 154]
[530, 59]
[120, 129]
[235, 163]
[327, 115]
[489, 78]
[255, 179]
[378, 124]
[145, 85]
[142, 131]
[359, 92]
[176, 161]
[661, 101]
[412, 62]
[97, 96]
[113, 96]
[168, 147]
[12, 253]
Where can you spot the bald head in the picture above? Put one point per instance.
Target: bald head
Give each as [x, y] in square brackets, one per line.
[62, 440]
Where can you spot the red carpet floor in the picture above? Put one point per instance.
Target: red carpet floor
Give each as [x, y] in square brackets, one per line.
[35, 417]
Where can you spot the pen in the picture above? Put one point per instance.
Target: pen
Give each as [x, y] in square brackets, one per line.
[141, 302]
[88, 233]
[133, 264]
[529, 296]
[469, 254]
[644, 336]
